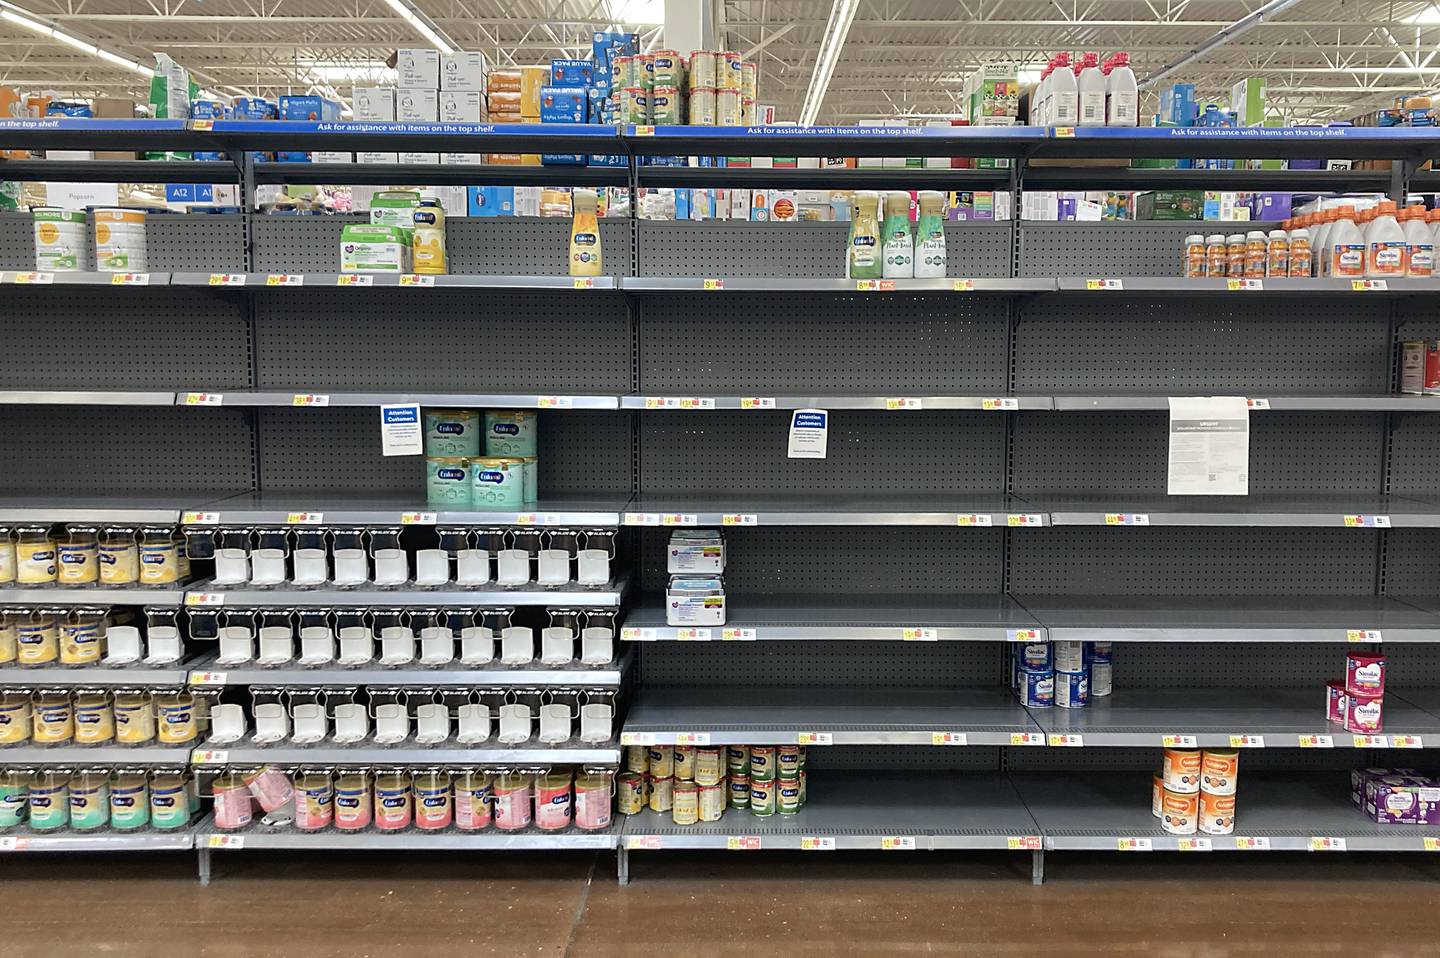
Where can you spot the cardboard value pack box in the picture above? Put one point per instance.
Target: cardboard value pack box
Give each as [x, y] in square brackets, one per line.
[563, 104]
[1170, 205]
[373, 104]
[417, 106]
[373, 249]
[462, 106]
[463, 71]
[418, 69]
[313, 108]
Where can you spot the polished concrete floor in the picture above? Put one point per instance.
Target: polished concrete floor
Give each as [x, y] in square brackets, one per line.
[795, 905]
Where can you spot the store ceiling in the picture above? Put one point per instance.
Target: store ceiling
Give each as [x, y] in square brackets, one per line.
[1325, 59]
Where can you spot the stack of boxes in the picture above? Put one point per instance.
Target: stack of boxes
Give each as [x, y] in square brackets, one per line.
[462, 98]
[1396, 796]
[432, 89]
[695, 560]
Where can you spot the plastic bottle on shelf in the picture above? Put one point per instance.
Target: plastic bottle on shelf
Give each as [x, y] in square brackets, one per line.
[930, 235]
[1432, 220]
[1277, 253]
[1319, 252]
[1345, 246]
[1420, 244]
[585, 234]
[1064, 94]
[1302, 256]
[1090, 84]
[1385, 248]
[1122, 93]
[899, 246]
[863, 255]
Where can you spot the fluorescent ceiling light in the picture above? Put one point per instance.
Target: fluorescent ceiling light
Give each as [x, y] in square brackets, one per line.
[636, 11]
[842, 14]
[421, 27]
[1430, 16]
[13, 14]
[1029, 74]
[349, 72]
[75, 42]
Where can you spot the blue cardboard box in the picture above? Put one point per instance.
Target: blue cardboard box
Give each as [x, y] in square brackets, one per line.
[491, 201]
[308, 108]
[208, 110]
[571, 72]
[563, 104]
[562, 159]
[600, 159]
[253, 108]
[604, 46]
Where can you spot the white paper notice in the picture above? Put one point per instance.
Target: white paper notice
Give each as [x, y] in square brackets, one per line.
[809, 430]
[1209, 446]
[400, 430]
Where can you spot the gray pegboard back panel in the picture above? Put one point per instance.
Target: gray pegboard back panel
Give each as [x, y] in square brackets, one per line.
[462, 340]
[868, 758]
[1144, 761]
[1415, 455]
[1261, 665]
[97, 337]
[878, 559]
[581, 454]
[195, 241]
[1412, 564]
[739, 248]
[1086, 560]
[781, 664]
[17, 241]
[1095, 454]
[522, 245]
[1128, 248]
[822, 344]
[109, 450]
[879, 453]
[1174, 344]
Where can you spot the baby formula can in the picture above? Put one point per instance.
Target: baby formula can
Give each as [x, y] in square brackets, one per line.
[511, 432]
[1072, 689]
[729, 71]
[474, 794]
[637, 759]
[738, 790]
[159, 558]
[737, 759]
[662, 761]
[762, 763]
[1036, 656]
[1100, 652]
[1157, 793]
[702, 106]
[1070, 656]
[82, 639]
[1180, 812]
[34, 556]
[14, 796]
[134, 716]
[667, 70]
[762, 798]
[1037, 689]
[176, 722]
[514, 801]
[353, 804]
[314, 799]
[119, 240]
[119, 557]
[452, 433]
[234, 806]
[59, 239]
[1102, 678]
[634, 104]
[169, 799]
[77, 558]
[1217, 813]
[728, 108]
[434, 799]
[709, 768]
[7, 638]
[1335, 701]
[90, 800]
[787, 761]
[394, 799]
[645, 70]
[270, 787]
[497, 484]
[685, 809]
[1364, 674]
[630, 793]
[1219, 772]
[788, 796]
[1181, 770]
[592, 798]
[94, 718]
[553, 804]
[685, 763]
[749, 79]
[702, 69]
[1363, 713]
[50, 800]
[665, 105]
[447, 482]
[7, 557]
[129, 800]
[37, 639]
[662, 793]
[53, 717]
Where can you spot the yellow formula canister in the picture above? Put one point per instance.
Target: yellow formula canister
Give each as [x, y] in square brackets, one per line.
[159, 564]
[685, 803]
[119, 240]
[637, 759]
[749, 79]
[7, 556]
[82, 638]
[77, 556]
[1181, 770]
[737, 759]
[34, 555]
[709, 767]
[53, 718]
[685, 763]
[134, 717]
[119, 557]
[702, 69]
[662, 793]
[7, 637]
[662, 761]
[711, 802]
[1217, 813]
[94, 717]
[702, 106]
[630, 793]
[37, 638]
[15, 716]
[729, 71]
[177, 723]
[728, 108]
[1179, 812]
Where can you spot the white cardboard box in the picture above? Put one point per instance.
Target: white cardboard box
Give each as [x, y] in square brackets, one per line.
[373, 104]
[378, 158]
[427, 158]
[417, 106]
[464, 70]
[462, 159]
[418, 68]
[319, 157]
[461, 106]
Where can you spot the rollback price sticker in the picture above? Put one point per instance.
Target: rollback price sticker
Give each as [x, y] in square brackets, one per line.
[1066, 740]
[1027, 738]
[729, 634]
[1000, 403]
[224, 841]
[1406, 741]
[757, 402]
[1363, 635]
[949, 738]
[1017, 843]
[1325, 843]
[973, 520]
[1316, 741]
[1247, 741]
[1252, 843]
[815, 738]
[1104, 284]
[1244, 284]
[1196, 844]
[1367, 522]
[920, 635]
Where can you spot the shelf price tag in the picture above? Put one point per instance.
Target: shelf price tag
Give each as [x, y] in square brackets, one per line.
[1369, 285]
[310, 399]
[13, 843]
[757, 402]
[1406, 741]
[643, 841]
[227, 279]
[1058, 740]
[417, 518]
[354, 279]
[642, 518]
[1432, 844]
[692, 635]
[1002, 402]
[815, 843]
[1022, 635]
[585, 282]
[1257, 403]
[712, 284]
[1247, 741]
[737, 635]
[1244, 284]
[207, 678]
[130, 279]
[1027, 738]
[1367, 522]
[224, 841]
[743, 843]
[1177, 741]
[949, 738]
[285, 279]
[920, 635]
[1020, 520]
[638, 738]
[1132, 845]
[963, 286]
[874, 285]
[1317, 741]
[414, 279]
[199, 518]
[1324, 844]
[1371, 741]
[904, 403]
[202, 126]
[305, 518]
[555, 402]
[209, 756]
[204, 399]
[633, 634]
[1196, 844]
[739, 519]
[976, 519]
[38, 279]
[1251, 843]
[692, 738]
[1104, 284]
[897, 843]
[644, 131]
[814, 738]
[1127, 518]
[679, 402]
[204, 598]
[1023, 843]
[1064, 131]
[678, 519]
[1363, 635]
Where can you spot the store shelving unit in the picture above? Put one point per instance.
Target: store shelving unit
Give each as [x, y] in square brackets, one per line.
[988, 429]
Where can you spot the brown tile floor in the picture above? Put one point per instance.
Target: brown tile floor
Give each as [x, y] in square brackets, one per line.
[382, 905]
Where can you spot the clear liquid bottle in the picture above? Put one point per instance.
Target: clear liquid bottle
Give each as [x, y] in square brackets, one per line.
[863, 255]
[899, 245]
[930, 235]
[585, 235]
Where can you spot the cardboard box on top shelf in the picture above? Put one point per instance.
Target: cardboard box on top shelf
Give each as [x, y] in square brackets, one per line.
[417, 106]
[993, 90]
[504, 159]
[117, 108]
[373, 104]
[418, 68]
[463, 72]
[531, 80]
[504, 101]
[462, 106]
[503, 81]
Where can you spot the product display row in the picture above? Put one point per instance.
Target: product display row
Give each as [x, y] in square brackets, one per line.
[1195, 791]
[38, 637]
[1063, 673]
[89, 800]
[88, 555]
[100, 716]
[698, 783]
[1358, 702]
[473, 466]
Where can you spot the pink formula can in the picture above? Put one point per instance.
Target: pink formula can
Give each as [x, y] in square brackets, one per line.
[593, 796]
[1365, 674]
[394, 800]
[270, 787]
[1335, 701]
[232, 802]
[513, 801]
[434, 806]
[1364, 714]
[353, 804]
[553, 801]
[473, 801]
[314, 801]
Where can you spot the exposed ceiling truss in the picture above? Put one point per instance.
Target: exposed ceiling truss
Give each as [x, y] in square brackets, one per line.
[1323, 59]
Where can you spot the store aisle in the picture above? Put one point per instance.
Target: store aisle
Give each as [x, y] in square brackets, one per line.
[318, 906]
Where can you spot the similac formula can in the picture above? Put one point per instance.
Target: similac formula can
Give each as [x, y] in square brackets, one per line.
[630, 793]
[496, 484]
[447, 482]
[709, 767]
[434, 800]
[511, 432]
[119, 240]
[1364, 674]
[662, 761]
[59, 239]
[662, 794]
[762, 764]
[737, 759]
[685, 763]
[1072, 689]
[90, 800]
[728, 108]
[702, 106]
[665, 103]
[1157, 795]
[1036, 656]
[450, 433]
[702, 70]
[787, 797]
[1181, 770]
[1102, 678]
[1335, 701]
[762, 798]
[712, 802]
[473, 800]
[1412, 366]
[1195, 261]
[1219, 772]
[729, 71]
[553, 801]
[1217, 813]
[637, 759]
[1070, 656]
[1037, 688]
[666, 68]
[686, 807]
[738, 790]
[394, 800]
[1179, 812]
[1364, 713]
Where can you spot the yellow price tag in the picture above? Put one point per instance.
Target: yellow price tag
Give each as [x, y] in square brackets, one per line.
[583, 282]
[963, 286]
[644, 131]
[709, 284]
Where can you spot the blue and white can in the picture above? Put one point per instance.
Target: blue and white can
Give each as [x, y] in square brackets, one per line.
[1070, 656]
[1100, 652]
[1037, 689]
[1072, 689]
[1102, 677]
[1036, 655]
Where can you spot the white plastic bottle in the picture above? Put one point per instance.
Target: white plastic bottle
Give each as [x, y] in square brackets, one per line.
[1064, 94]
[1091, 87]
[1385, 248]
[1122, 93]
[1345, 246]
[1040, 116]
[1421, 261]
[1320, 253]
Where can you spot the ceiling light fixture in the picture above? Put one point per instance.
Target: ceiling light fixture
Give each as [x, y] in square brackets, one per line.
[21, 18]
[842, 14]
[409, 15]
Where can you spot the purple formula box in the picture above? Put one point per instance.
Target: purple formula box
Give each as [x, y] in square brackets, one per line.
[1413, 802]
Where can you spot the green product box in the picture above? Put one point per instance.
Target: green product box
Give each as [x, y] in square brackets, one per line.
[374, 249]
[395, 208]
[1170, 205]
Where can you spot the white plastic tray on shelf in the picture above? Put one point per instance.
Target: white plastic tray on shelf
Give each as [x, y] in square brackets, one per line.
[307, 508]
[208, 595]
[450, 752]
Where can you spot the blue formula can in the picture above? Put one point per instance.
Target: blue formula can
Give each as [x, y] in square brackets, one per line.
[1037, 688]
[1072, 689]
[1035, 656]
[1100, 652]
